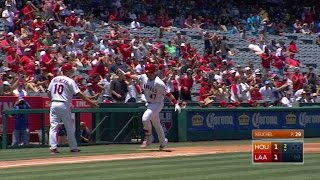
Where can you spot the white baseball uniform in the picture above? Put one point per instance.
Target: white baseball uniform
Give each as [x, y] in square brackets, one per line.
[155, 92]
[62, 89]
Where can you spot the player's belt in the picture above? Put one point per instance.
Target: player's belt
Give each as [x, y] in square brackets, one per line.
[58, 101]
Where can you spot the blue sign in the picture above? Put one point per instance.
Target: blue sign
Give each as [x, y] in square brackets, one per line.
[210, 121]
[258, 120]
[246, 120]
[301, 120]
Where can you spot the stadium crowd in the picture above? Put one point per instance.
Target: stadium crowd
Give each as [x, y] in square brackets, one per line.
[38, 39]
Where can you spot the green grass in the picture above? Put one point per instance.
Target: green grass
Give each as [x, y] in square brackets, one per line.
[223, 166]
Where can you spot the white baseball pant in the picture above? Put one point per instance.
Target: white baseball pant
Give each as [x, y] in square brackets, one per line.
[61, 111]
[152, 115]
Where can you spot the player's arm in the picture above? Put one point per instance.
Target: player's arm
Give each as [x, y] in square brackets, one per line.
[77, 91]
[48, 91]
[85, 98]
[172, 99]
[49, 94]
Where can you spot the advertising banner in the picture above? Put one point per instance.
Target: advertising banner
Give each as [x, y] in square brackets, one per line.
[258, 120]
[210, 121]
[37, 102]
[301, 120]
[8, 102]
[76, 103]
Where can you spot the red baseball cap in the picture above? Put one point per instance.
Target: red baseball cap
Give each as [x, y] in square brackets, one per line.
[150, 68]
[67, 67]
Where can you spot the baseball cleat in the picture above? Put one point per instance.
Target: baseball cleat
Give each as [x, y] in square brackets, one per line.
[54, 151]
[162, 146]
[147, 141]
[75, 150]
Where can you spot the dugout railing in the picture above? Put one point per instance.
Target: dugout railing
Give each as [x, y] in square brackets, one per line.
[109, 125]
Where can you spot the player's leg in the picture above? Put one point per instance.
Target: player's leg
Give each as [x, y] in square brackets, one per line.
[155, 119]
[68, 122]
[25, 136]
[147, 128]
[159, 129]
[54, 123]
[16, 138]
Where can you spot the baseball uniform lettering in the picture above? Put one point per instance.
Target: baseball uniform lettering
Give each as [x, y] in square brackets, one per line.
[62, 89]
[154, 91]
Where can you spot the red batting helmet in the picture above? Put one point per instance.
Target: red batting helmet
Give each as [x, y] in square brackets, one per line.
[150, 68]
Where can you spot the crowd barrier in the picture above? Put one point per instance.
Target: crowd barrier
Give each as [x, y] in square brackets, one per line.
[38, 102]
[109, 125]
[121, 123]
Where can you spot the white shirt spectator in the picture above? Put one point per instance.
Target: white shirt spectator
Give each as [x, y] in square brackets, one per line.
[288, 102]
[8, 17]
[132, 92]
[135, 25]
[139, 51]
[20, 93]
[140, 68]
[106, 85]
[245, 91]
[218, 78]
[267, 92]
[297, 94]
[279, 52]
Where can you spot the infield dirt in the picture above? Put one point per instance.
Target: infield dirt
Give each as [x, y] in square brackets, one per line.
[148, 153]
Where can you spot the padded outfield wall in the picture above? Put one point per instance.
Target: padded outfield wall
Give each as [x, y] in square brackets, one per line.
[199, 124]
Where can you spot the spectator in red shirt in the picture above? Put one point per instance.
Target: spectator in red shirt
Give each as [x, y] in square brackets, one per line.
[292, 62]
[47, 60]
[255, 94]
[13, 60]
[293, 48]
[204, 91]
[297, 80]
[95, 80]
[125, 49]
[114, 16]
[28, 11]
[72, 20]
[186, 85]
[38, 23]
[28, 62]
[7, 42]
[279, 64]
[144, 18]
[266, 60]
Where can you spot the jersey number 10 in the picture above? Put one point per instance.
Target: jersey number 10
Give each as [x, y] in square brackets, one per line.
[58, 88]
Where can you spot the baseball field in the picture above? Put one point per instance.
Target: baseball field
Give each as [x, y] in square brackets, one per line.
[187, 161]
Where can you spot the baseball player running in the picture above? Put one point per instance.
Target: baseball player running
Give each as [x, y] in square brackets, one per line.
[60, 91]
[155, 91]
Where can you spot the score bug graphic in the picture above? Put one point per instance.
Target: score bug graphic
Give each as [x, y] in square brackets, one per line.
[273, 149]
